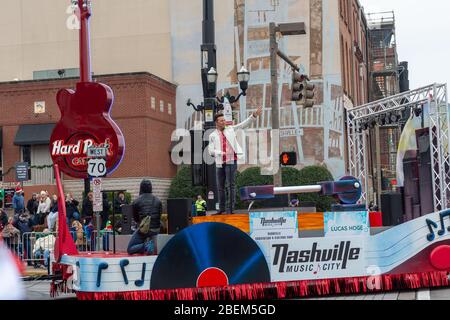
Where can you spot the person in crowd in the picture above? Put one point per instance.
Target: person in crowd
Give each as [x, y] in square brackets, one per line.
[43, 248]
[200, 206]
[105, 212]
[225, 149]
[11, 235]
[72, 211]
[3, 217]
[32, 205]
[147, 210]
[53, 215]
[43, 210]
[18, 201]
[119, 202]
[88, 208]
[24, 224]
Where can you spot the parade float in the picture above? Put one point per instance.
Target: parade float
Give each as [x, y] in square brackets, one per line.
[260, 255]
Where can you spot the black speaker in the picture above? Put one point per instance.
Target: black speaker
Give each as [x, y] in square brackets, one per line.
[392, 209]
[425, 174]
[127, 219]
[179, 213]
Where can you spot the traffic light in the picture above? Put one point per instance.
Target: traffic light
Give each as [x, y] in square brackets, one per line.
[288, 159]
[302, 90]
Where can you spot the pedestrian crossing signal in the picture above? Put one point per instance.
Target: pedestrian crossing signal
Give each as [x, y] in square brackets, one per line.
[288, 159]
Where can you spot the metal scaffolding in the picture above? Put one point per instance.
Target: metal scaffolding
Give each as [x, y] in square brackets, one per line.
[358, 146]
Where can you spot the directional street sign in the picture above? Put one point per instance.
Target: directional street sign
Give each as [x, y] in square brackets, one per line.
[97, 168]
[97, 152]
[98, 199]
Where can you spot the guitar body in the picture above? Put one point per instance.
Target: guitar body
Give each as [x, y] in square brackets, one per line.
[85, 122]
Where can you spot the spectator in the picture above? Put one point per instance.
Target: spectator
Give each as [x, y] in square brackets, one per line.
[18, 201]
[105, 212]
[11, 235]
[24, 223]
[43, 248]
[53, 215]
[72, 209]
[119, 202]
[3, 217]
[147, 209]
[88, 208]
[32, 205]
[43, 209]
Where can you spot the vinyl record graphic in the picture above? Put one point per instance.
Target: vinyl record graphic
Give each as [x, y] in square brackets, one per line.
[209, 255]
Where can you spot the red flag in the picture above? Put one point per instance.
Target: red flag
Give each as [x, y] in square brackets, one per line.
[64, 241]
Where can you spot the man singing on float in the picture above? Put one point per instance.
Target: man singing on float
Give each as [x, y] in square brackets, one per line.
[223, 146]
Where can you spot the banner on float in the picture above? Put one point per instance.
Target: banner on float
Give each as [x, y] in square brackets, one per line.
[317, 258]
[267, 226]
[346, 224]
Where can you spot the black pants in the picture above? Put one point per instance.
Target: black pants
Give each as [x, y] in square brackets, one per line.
[226, 186]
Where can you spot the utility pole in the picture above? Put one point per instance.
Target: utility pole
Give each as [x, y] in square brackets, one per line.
[286, 29]
[277, 179]
[209, 60]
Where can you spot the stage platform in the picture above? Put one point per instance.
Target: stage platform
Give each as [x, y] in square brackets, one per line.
[306, 221]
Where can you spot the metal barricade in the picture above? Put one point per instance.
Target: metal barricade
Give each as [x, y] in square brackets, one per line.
[36, 247]
[14, 243]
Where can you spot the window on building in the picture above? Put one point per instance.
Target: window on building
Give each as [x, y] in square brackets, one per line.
[56, 74]
[26, 157]
[161, 105]
[153, 101]
[169, 108]
[38, 156]
[344, 69]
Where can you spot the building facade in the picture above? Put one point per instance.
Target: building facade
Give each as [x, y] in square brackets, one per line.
[38, 37]
[144, 108]
[333, 53]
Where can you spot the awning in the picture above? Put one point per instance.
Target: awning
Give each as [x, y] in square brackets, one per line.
[34, 134]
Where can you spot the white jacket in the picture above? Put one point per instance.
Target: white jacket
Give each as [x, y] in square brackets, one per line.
[215, 141]
[45, 243]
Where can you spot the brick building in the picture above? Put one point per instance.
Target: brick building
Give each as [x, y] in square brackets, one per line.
[144, 109]
[354, 51]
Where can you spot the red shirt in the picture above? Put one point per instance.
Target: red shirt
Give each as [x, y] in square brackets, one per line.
[228, 153]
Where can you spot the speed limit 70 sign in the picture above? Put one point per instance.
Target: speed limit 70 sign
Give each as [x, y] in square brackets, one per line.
[97, 168]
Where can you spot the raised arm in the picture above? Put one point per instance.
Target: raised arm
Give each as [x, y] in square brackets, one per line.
[247, 123]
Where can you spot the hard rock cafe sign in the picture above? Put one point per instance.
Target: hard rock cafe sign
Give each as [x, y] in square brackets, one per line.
[85, 116]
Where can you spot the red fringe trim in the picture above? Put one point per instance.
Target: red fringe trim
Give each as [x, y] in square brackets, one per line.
[284, 290]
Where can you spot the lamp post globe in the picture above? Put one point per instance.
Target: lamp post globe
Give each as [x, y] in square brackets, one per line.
[243, 78]
[212, 76]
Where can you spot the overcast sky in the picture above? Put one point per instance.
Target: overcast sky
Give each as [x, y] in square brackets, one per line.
[423, 37]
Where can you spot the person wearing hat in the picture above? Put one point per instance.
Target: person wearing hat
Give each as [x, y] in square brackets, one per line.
[18, 201]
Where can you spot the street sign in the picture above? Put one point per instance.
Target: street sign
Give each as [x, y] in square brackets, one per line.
[97, 168]
[98, 199]
[209, 116]
[22, 171]
[97, 152]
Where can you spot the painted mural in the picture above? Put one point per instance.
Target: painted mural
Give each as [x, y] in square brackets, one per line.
[242, 37]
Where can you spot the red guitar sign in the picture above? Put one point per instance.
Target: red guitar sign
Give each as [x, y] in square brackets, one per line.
[85, 116]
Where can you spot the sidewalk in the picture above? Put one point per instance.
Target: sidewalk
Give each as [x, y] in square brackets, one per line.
[35, 272]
